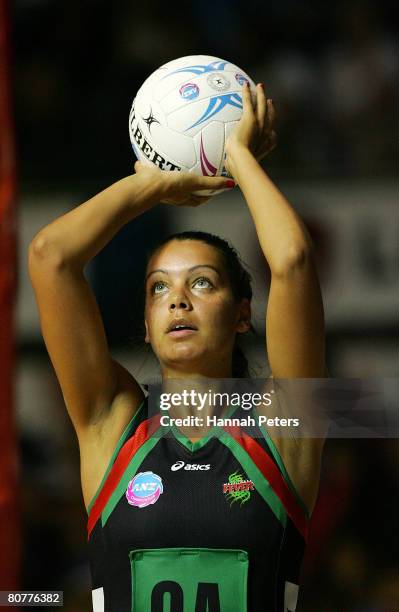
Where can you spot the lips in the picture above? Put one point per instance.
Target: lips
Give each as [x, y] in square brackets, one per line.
[180, 325]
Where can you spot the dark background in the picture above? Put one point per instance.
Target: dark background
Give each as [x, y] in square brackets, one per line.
[331, 68]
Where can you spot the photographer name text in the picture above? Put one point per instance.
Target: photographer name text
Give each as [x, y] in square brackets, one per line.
[215, 421]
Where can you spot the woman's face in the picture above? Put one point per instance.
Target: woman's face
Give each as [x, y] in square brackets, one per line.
[191, 315]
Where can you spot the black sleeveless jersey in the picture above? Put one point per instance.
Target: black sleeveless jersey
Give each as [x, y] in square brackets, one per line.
[208, 526]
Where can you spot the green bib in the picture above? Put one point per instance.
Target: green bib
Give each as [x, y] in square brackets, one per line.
[189, 580]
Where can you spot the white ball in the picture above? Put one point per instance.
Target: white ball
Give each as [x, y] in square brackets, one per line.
[183, 113]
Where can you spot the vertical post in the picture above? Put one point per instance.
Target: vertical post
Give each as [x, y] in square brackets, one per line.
[9, 510]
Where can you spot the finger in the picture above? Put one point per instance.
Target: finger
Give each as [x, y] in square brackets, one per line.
[267, 145]
[273, 140]
[209, 182]
[247, 103]
[261, 106]
[138, 166]
[267, 140]
[271, 113]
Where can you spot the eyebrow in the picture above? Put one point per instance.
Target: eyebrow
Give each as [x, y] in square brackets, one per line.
[189, 270]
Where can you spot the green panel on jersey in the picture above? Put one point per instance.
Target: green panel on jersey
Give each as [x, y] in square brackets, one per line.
[215, 431]
[189, 579]
[118, 447]
[128, 474]
[189, 445]
[261, 484]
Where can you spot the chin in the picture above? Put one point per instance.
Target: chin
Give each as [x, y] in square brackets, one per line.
[185, 355]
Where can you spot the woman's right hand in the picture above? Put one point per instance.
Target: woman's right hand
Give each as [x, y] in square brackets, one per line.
[255, 130]
[176, 187]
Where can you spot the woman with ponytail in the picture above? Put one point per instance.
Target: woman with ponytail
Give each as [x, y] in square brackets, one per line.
[211, 524]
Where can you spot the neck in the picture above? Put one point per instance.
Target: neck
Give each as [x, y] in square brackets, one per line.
[219, 370]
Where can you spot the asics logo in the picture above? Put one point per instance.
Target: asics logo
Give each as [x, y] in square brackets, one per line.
[190, 466]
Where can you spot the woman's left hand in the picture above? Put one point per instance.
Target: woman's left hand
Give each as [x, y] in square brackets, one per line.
[177, 187]
[255, 130]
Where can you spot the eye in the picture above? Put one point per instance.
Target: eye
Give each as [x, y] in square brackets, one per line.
[158, 287]
[203, 283]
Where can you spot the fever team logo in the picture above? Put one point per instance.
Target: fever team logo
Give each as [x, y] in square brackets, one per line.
[238, 489]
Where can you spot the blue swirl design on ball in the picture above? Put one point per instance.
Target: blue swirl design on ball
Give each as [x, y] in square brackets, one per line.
[216, 104]
[200, 68]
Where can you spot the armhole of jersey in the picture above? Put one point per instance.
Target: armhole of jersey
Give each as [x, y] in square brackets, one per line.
[280, 463]
[118, 447]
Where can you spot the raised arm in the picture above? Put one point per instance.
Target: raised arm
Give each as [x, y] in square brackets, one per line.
[93, 385]
[294, 317]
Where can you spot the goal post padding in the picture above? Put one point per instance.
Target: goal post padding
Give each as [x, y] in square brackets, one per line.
[10, 543]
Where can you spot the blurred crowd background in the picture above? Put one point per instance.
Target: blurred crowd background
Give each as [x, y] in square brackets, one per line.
[332, 70]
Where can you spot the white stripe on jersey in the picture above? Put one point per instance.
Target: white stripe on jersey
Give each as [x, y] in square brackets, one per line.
[97, 596]
[290, 596]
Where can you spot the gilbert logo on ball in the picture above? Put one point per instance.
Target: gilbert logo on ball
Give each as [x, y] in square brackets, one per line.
[144, 489]
[184, 112]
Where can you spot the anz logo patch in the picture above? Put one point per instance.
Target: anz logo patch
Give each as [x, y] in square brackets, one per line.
[144, 489]
[179, 465]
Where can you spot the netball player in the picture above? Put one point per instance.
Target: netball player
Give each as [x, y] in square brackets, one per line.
[228, 533]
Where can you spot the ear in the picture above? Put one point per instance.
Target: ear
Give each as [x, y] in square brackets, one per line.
[244, 317]
[147, 335]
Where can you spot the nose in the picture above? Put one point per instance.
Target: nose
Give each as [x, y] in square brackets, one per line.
[179, 301]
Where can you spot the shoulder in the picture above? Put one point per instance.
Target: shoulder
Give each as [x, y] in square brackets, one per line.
[98, 441]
